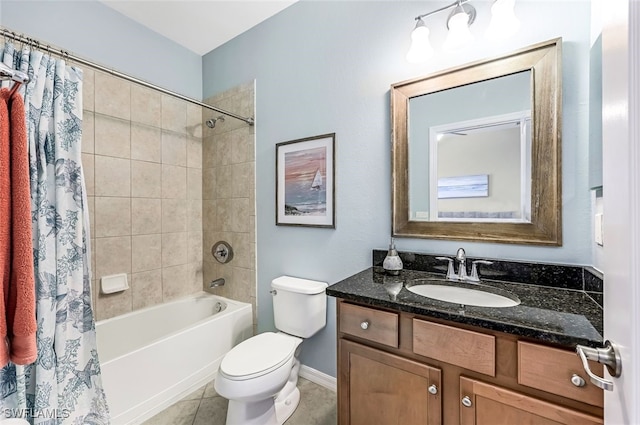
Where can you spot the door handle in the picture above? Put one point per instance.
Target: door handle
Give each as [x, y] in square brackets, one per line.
[608, 356]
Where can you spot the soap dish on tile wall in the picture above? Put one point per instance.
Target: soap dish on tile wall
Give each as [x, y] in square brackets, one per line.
[114, 283]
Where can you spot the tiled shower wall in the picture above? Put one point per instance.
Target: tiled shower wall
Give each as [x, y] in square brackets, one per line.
[142, 158]
[228, 193]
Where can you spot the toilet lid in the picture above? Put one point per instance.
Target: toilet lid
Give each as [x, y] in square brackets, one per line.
[258, 355]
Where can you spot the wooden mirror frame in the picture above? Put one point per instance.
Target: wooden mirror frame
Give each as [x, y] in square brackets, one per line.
[545, 228]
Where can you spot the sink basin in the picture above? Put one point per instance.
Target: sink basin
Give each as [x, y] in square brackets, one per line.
[476, 296]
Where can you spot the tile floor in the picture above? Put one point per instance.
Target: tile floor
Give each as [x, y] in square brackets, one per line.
[205, 407]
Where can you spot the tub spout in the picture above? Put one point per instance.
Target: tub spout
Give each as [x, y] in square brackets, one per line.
[216, 283]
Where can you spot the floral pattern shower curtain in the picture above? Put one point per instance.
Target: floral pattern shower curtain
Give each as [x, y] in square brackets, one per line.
[64, 385]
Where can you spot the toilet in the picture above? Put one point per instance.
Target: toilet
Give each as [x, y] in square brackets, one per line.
[259, 376]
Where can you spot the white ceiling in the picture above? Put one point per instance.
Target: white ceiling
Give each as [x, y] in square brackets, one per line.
[199, 25]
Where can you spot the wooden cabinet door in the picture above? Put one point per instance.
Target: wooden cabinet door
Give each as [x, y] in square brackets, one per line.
[378, 388]
[486, 404]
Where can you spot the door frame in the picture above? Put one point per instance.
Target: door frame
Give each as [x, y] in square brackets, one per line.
[621, 197]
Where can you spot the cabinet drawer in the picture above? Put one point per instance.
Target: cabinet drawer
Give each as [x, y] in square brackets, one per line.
[551, 369]
[373, 325]
[470, 350]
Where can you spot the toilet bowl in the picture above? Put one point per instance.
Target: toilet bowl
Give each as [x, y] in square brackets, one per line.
[259, 376]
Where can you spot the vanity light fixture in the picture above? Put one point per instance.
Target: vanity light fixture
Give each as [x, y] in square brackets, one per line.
[503, 24]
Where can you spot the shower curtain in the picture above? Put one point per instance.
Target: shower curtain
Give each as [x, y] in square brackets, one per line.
[63, 386]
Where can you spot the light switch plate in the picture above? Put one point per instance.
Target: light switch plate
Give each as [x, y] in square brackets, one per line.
[598, 229]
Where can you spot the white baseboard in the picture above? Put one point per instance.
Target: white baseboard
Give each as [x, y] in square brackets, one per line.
[320, 378]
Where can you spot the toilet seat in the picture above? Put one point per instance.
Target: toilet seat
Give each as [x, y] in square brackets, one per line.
[258, 356]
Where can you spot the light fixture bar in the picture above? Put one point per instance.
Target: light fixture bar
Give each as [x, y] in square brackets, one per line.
[452, 5]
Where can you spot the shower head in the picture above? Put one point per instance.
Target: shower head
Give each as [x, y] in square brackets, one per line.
[211, 123]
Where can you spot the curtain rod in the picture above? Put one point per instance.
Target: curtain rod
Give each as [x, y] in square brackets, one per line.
[68, 56]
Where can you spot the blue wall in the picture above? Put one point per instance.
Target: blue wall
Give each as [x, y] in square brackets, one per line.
[93, 31]
[325, 67]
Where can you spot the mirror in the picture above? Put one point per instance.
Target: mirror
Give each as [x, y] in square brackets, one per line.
[476, 150]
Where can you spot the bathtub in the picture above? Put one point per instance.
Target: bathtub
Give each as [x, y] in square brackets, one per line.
[152, 357]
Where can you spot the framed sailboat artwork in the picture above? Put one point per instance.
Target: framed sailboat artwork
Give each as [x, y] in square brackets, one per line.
[305, 189]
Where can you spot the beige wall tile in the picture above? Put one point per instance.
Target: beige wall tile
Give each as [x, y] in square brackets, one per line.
[112, 96]
[112, 176]
[194, 152]
[112, 305]
[175, 282]
[243, 147]
[146, 106]
[224, 145]
[146, 288]
[113, 216]
[174, 149]
[244, 250]
[174, 182]
[240, 212]
[174, 215]
[146, 143]
[194, 215]
[91, 201]
[174, 249]
[146, 216]
[209, 183]
[88, 132]
[194, 247]
[88, 171]
[243, 284]
[194, 183]
[112, 137]
[210, 221]
[209, 153]
[146, 252]
[174, 114]
[146, 179]
[194, 276]
[242, 178]
[224, 181]
[224, 214]
[113, 255]
[88, 89]
[194, 120]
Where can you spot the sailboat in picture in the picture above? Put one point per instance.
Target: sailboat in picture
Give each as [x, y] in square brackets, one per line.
[316, 184]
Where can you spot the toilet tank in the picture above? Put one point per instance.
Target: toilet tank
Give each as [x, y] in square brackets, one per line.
[299, 305]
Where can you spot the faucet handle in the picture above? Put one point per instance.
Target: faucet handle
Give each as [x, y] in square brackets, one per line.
[474, 270]
[451, 274]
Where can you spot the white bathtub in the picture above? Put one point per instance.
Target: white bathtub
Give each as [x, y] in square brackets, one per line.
[153, 357]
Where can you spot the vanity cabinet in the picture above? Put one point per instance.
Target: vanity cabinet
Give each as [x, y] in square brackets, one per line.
[384, 388]
[402, 368]
[487, 404]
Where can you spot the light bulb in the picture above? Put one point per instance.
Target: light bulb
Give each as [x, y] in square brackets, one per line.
[420, 50]
[504, 22]
[459, 34]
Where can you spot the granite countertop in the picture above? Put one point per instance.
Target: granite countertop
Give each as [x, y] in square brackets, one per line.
[561, 316]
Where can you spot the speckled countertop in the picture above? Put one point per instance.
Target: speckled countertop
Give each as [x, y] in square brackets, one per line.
[556, 315]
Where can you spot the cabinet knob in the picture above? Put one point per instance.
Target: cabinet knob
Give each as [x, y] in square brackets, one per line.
[466, 401]
[577, 380]
[433, 389]
[364, 325]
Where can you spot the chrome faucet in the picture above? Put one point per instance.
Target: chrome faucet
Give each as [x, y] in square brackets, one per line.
[461, 276]
[216, 283]
[461, 256]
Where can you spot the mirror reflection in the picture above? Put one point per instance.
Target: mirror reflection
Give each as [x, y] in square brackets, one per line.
[470, 152]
